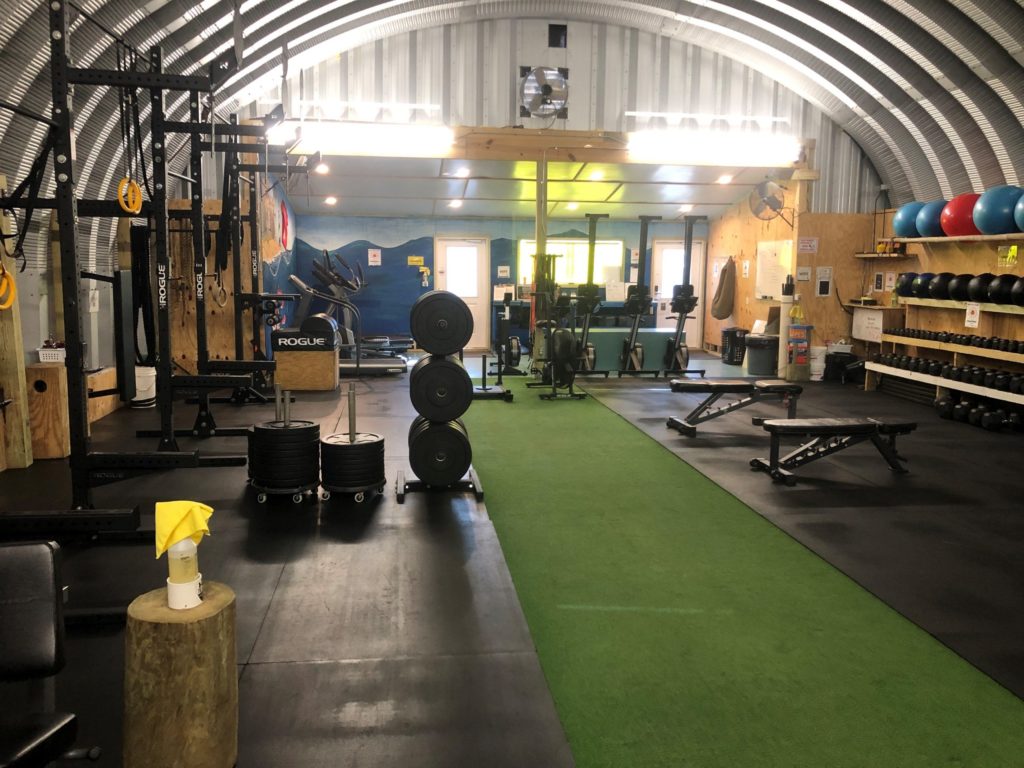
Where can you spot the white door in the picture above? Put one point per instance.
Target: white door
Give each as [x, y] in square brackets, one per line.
[464, 267]
[666, 272]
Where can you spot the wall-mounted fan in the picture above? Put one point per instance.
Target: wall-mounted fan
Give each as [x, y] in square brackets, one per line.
[543, 92]
[768, 201]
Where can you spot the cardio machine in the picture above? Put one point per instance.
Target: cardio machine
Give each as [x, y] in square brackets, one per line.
[334, 289]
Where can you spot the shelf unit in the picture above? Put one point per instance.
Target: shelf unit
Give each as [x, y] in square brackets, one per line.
[956, 349]
[876, 307]
[939, 382]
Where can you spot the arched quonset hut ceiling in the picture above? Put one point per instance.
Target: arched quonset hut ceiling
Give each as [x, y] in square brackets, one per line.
[932, 90]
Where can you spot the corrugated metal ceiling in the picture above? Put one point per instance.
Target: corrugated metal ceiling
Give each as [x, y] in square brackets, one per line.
[931, 89]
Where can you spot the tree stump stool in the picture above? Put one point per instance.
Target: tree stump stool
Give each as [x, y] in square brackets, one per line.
[181, 682]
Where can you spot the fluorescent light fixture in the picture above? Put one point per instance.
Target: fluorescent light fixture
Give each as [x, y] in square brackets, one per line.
[731, 148]
[725, 178]
[686, 207]
[462, 173]
[596, 175]
[322, 168]
[455, 203]
[704, 118]
[330, 200]
[571, 206]
[371, 139]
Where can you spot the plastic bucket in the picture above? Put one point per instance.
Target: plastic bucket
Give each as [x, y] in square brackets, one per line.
[145, 387]
[818, 362]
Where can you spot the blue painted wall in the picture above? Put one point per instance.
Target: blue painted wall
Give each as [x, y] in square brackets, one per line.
[392, 287]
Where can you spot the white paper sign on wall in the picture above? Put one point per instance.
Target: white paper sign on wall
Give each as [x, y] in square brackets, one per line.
[803, 274]
[505, 271]
[373, 257]
[973, 314]
[807, 245]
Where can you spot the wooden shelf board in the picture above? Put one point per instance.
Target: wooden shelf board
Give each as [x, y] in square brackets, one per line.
[992, 354]
[1008, 238]
[938, 381]
[885, 256]
[874, 306]
[1005, 309]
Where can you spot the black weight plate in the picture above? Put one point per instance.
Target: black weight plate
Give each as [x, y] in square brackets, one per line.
[295, 425]
[440, 388]
[440, 453]
[343, 440]
[514, 351]
[441, 323]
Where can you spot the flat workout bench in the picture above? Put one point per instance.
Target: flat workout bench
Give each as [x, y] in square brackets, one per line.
[754, 391]
[829, 436]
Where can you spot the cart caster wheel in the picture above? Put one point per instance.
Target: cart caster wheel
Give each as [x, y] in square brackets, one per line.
[261, 499]
[381, 489]
[297, 498]
[325, 496]
[359, 497]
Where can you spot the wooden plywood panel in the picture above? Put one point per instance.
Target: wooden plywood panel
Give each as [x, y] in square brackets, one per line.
[98, 407]
[17, 437]
[220, 320]
[307, 371]
[48, 410]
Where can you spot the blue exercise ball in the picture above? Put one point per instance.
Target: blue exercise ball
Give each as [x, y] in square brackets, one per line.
[929, 219]
[1018, 214]
[904, 223]
[993, 212]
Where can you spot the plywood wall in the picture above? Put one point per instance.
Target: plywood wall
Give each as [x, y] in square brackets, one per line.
[838, 236]
[220, 328]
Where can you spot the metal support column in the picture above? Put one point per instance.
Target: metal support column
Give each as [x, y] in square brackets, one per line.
[67, 216]
[158, 206]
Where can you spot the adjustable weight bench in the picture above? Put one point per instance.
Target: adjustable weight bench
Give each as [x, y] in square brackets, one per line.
[750, 391]
[828, 436]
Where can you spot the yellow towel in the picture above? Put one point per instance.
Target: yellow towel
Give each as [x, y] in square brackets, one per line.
[177, 520]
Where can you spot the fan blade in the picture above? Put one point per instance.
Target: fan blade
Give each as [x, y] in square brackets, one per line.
[773, 202]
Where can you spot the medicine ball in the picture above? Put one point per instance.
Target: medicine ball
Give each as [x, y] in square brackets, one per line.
[1017, 292]
[993, 211]
[938, 288]
[919, 285]
[977, 289]
[1018, 214]
[1000, 289]
[928, 220]
[904, 223]
[904, 284]
[958, 287]
[958, 216]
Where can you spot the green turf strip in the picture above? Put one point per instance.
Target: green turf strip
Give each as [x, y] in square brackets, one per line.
[677, 627]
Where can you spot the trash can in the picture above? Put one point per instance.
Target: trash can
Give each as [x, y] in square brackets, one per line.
[762, 354]
[733, 346]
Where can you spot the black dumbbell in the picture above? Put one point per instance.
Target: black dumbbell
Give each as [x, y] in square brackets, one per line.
[975, 415]
[976, 376]
[934, 368]
[947, 371]
[1002, 381]
[962, 410]
[1016, 380]
[944, 407]
[988, 379]
[1016, 421]
[994, 420]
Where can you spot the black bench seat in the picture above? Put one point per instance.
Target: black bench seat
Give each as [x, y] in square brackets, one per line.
[828, 436]
[751, 391]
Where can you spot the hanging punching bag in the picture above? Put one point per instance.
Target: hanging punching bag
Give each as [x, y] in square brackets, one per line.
[725, 293]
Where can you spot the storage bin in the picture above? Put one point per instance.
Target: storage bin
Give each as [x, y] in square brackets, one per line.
[762, 354]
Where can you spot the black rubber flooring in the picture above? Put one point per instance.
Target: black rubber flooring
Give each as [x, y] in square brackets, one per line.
[943, 545]
[367, 635]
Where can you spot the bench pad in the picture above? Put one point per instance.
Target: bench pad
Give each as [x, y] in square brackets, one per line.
[776, 386]
[819, 427]
[710, 386]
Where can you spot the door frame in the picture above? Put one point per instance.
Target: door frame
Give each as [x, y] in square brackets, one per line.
[484, 276]
[699, 282]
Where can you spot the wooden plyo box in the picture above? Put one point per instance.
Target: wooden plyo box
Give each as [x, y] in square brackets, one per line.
[48, 410]
[98, 407]
[307, 370]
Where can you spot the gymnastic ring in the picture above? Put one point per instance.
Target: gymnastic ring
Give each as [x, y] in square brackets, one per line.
[221, 297]
[8, 290]
[129, 195]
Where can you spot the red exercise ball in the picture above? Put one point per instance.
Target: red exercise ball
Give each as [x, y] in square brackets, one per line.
[958, 216]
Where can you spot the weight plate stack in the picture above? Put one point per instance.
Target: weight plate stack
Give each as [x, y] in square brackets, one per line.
[284, 457]
[349, 466]
[440, 388]
[439, 452]
[441, 323]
